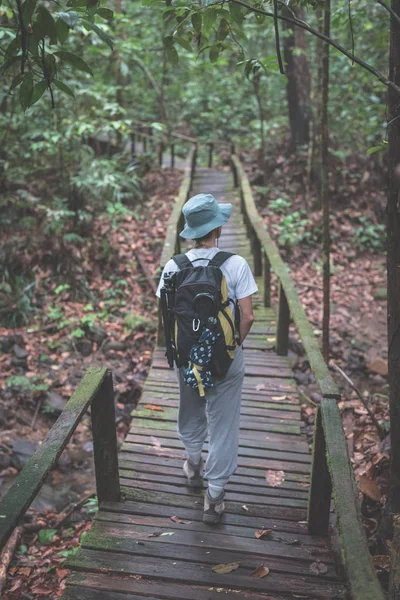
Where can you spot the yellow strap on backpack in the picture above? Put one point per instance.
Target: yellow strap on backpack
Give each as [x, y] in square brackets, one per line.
[198, 379]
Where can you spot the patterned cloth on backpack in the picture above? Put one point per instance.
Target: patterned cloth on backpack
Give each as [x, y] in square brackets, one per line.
[196, 374]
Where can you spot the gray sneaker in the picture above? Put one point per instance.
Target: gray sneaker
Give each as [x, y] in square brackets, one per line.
[213, 508]
[193, 473]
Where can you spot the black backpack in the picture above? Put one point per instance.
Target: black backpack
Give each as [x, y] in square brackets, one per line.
[201, 300]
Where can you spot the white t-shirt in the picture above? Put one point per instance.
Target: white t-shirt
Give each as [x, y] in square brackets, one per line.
[238, 275]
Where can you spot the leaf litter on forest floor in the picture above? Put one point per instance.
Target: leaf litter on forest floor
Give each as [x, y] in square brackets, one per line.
[261, 571]
[225, 568]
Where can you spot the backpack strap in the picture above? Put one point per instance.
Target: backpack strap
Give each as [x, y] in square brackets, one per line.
[182, 261]
[220, 258]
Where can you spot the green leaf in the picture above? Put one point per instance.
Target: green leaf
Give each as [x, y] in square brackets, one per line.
[46, 25]
[46, 535]
[214, 53]
[375, 149]
[26, 91]
[172, 55]
[196, 22]
[209, 19]
[106, 13]
[62, 30]
[70, 18]
[102, 35]
[74, 61]
[184, 43]
[64, 88]
[16, 81]
[168, 41]
[38, 91]
[28, 8]
[223, 30]
[236, 12]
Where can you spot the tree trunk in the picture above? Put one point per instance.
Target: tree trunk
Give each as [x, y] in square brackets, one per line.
[393, 255]
[298, 82]
[325, 184]
[261, 156]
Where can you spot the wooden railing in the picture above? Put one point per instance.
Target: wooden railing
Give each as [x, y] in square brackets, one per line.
[94, 391]
[331, 466]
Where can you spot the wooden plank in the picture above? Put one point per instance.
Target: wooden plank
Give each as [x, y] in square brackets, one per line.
[171, 442]
[251, 449]
[240, 519]
[266, 499]
[112, 584]
[30, 480]
[248, 439]
[197, 574]
[131, 450]
[132, 460]
[278, 534]
[175, 475]
[177, 501]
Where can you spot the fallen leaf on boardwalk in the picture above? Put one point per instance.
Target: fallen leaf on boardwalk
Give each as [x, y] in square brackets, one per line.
[176, 519]
[156, 442]
[271, 339]
[370, 488]
[261, 571]
[261, 533]
[244, 507]
[275, 478]
[279, 397]
[154, 407]
[167, 533]
[260, 386]
[156, 533]
[228, 568]
[318, 568]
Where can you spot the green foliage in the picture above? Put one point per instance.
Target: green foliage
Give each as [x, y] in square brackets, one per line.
[370, 236]
[24, 385]
[30, 30]
[135, 321]
[295, 229]
[279, 206]
[92, 505]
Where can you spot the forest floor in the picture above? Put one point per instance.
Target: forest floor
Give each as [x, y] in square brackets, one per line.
[111, 321]
[358, 327]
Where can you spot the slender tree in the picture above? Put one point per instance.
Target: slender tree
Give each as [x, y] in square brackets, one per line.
[393, 252]
[298, 81]
[324, 183]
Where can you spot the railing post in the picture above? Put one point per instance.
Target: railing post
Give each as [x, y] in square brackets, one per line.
[172, 156]
[282, 336]
[256, 252]
[319, 498]
[133, 143]
[210, 155]
[144, 143]
[105, 447]
[234, 172]
[267, 281]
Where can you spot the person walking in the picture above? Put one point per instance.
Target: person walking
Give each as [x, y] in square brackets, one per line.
[217, 413]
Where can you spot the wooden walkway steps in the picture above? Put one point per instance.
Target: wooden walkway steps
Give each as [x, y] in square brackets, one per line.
[154, 545]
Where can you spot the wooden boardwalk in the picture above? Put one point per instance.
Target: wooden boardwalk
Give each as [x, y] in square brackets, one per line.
[154, 545]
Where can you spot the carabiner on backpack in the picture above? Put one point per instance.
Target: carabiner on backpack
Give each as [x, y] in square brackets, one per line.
[196, 326]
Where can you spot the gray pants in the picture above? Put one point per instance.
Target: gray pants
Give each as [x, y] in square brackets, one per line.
[219, 415]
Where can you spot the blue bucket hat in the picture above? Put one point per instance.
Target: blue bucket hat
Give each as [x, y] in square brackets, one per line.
[203, 214]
